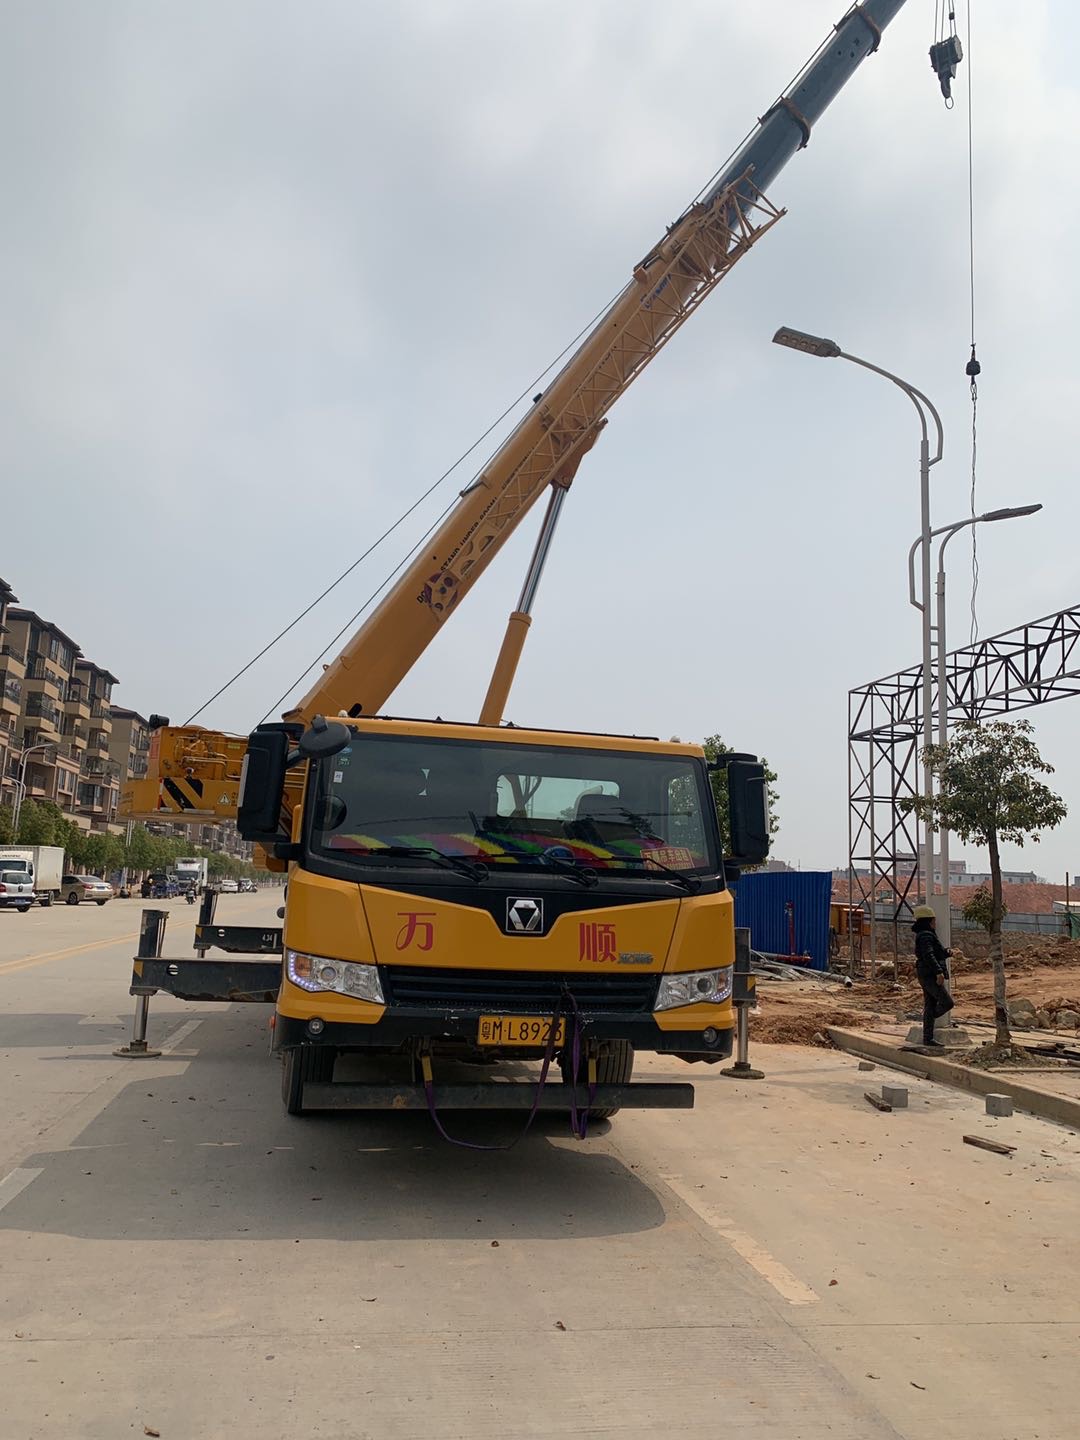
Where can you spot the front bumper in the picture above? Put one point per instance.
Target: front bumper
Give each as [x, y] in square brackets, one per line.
[400, 1026]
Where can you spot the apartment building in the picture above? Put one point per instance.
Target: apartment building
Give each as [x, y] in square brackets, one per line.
[54, 719]
[100, 776]
[12, 674]
[52, 760]
[129, 743]
[57, 716]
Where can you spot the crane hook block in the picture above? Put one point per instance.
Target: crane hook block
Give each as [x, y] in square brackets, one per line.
[945, 56]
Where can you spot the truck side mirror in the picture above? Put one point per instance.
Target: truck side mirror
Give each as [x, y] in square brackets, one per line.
[325, 738]
[748, 812]
[262, 785]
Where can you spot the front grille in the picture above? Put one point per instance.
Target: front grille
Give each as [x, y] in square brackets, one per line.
[518, 992]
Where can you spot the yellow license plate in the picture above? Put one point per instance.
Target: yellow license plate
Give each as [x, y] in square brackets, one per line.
[518, 1030]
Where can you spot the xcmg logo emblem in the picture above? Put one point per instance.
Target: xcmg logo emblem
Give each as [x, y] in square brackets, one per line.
[524, 917]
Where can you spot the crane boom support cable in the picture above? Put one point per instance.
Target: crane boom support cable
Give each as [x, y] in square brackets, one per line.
[401, 519]
[973, 367]
[368, 602]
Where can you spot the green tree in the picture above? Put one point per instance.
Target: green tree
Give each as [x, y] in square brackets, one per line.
[139, 852]
[7, 824]
[979, 910]
[94, 854]
[36, 824]
[714, 748]
[987, 795]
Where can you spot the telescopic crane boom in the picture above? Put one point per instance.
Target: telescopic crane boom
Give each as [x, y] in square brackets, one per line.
[195, 772]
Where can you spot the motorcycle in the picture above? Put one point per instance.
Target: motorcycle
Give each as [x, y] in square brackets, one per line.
[189, 896]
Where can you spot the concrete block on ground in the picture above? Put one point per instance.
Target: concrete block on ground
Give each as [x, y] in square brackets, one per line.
[895, 1095]
[999, 1105]
[954, 1037]
[867, 1065]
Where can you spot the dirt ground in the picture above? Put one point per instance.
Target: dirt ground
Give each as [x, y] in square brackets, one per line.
[1042, 969]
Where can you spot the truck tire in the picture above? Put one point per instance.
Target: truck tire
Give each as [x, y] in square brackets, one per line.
[46, 900]
[101, 902]
[301, 1064]
[614, 1067]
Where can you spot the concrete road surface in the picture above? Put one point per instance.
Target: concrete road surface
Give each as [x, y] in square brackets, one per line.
[179, 1257]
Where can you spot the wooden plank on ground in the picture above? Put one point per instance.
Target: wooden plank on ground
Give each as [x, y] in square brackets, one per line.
[993, 1145]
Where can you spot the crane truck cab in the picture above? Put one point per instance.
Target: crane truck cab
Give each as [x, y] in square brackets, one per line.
[470, 892]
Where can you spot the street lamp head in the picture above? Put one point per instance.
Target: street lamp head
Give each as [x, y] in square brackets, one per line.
[1012, 513]
[808, 344]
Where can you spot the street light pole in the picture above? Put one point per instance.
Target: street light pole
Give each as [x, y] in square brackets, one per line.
[829, 350]
[20, 788]
[944, 905]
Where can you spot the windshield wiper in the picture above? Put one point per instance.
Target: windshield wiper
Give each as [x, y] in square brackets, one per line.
[571, 868]
[690, 883]
[473, 869]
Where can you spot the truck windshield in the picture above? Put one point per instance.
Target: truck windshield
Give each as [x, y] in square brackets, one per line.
[513, 806]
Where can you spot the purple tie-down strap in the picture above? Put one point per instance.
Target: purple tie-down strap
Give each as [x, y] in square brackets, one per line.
[579, 1120]
[429, 1091]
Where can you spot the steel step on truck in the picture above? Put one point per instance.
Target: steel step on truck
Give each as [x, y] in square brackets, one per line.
[460, 894]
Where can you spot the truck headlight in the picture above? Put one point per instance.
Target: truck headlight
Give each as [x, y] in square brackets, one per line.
[694, 987]
[316, 972]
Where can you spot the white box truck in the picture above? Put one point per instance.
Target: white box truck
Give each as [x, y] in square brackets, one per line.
[44, 864]
[192, 870]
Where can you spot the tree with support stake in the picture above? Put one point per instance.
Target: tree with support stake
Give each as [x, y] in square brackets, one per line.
[988, 794]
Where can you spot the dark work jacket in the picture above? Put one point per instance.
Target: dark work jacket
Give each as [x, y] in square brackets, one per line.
[930, 955]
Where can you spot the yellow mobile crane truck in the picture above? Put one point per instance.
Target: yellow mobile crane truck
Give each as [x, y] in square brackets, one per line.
[470, 892]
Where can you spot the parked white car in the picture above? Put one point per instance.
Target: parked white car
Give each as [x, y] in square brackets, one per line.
[16, 891]
[228, 887]
[74, 888]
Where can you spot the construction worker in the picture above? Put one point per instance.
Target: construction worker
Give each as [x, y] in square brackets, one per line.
[931, 970]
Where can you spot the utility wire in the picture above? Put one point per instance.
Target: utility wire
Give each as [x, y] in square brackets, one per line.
[402, 518]
[465, 454]
[973, 367]
[353, 619]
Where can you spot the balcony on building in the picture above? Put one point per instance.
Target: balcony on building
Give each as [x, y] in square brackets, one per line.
[45, 714]
[98, 801]
[11, 683]
[42, 677]
[76, 734]
[77, 701]
[12, 656]
[97, 683]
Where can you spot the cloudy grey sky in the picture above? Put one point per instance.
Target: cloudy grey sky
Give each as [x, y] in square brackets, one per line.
[269, 268]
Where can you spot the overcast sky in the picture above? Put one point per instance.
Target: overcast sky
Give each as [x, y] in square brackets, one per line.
[269, 268]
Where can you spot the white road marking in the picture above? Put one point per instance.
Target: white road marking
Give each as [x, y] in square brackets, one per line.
[15, 1183]
[789, 1286]
[180, 1033]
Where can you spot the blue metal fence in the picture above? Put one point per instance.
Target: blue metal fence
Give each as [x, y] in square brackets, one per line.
[762, 899]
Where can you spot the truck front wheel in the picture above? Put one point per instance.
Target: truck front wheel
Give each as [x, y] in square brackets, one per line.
[301, 1064]
[614, 1066]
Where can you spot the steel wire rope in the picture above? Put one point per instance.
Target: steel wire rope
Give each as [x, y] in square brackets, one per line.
[591, 325]
[796, 78]
[353, 619]
[973, 368]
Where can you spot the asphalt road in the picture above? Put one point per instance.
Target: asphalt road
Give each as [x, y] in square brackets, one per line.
[179, 1257]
